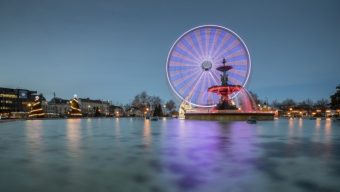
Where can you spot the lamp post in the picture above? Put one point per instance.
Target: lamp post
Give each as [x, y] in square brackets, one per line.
[164, 112]
[29, 106]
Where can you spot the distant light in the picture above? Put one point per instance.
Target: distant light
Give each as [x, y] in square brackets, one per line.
[75, 96]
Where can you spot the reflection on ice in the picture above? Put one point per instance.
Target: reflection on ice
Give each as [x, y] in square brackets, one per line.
[169, 155]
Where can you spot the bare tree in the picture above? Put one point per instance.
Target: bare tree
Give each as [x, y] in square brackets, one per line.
[170, 105]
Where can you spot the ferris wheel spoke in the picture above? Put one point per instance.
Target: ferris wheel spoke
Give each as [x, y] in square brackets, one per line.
[188, 51]
[226, 39]
[195, 83]
[195, 37]
[238, 58]
[226, 48]
[202, 90]
[196, 92]
[193, 47]
[211, 37]
[222, 38]
[172, 74]
[234, 81]
[184, 79]
[174, 70]
[186, 92]
[179, 64]
[178, 52]
[239, 72]
[236, 53]
[239, 63]
[203, 41]
[181, 75]
[207, 35]
[231, 48]
[186, 82]
[214, 78]
[217, 38]
[184, 58]
[206, 86]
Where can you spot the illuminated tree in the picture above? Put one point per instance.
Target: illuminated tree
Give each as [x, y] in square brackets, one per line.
[75, 110]
[36, 109]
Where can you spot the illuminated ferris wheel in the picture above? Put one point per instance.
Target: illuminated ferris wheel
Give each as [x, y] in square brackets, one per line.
[194, 57]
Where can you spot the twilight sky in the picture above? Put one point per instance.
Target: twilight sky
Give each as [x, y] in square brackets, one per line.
[116, 49]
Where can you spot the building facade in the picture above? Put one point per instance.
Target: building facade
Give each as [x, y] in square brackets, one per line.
[90, 106]
[15, 101]
[57, 106]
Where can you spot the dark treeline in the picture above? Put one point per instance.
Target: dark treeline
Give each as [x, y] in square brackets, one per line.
[307, 104]
[143, 104]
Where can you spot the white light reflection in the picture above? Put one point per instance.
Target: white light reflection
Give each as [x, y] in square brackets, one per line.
[147, 133]
[117, 133]
[328, 130]
[73, 136]
[34, 136]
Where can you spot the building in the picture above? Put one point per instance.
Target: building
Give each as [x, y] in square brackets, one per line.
[57, 106]
[135, 112]
[89, 107]
[14, 101]
[116, 111]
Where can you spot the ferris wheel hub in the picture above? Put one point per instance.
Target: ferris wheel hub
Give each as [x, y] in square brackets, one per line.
[206, 65]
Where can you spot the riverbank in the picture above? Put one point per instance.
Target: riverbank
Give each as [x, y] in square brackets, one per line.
[10, 120]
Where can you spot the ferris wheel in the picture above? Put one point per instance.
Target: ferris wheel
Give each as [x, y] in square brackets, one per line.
[193, 59]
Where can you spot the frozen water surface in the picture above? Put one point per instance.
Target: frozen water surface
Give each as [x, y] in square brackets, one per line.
[169, 155]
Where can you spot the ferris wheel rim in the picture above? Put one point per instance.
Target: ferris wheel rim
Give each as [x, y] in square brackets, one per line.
[186, 33]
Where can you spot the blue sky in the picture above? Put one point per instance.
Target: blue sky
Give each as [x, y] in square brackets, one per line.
[116, 49]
